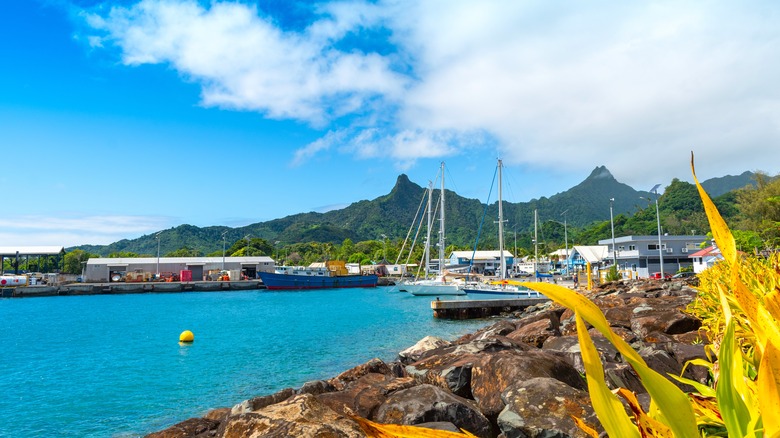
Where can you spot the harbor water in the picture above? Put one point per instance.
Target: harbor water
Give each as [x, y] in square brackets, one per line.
[112, 366]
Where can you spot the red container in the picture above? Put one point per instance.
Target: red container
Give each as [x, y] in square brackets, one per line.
[186, 275]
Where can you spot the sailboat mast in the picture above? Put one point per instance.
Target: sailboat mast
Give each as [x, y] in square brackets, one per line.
[428, 237]
[536, 245]
[501, 224]
[441, 229]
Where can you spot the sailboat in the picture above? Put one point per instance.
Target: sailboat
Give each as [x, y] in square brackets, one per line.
[502, 286]
[439, 285]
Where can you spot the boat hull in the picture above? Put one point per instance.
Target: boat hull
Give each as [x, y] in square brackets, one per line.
[275, 281]
[433, 289]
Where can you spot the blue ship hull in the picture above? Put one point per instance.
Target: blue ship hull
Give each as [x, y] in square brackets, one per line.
[275, 281]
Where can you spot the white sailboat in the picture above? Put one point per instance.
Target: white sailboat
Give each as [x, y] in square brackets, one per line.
[502, 286]
[439, 285]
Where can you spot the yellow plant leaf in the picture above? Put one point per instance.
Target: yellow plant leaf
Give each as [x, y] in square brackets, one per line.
[648, 426]
[731, 385]
[769, 390]
[671, 401]
[706, 409]
[591, 432]
[607, 406]
[378, 430]
[720, 230]
[772, 304]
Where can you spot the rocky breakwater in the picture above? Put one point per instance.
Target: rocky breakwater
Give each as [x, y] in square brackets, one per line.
[522, 376]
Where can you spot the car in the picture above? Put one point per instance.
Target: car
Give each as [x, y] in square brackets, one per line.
[657, 275]
[684, 274]
[522, 274]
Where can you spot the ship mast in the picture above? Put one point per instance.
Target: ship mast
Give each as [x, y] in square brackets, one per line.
[428, 237]
[501, 224]
[441, 228]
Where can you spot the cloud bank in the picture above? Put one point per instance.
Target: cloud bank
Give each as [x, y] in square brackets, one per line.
[634, 86]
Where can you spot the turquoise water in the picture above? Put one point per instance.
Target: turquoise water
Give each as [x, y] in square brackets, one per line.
[97, 366]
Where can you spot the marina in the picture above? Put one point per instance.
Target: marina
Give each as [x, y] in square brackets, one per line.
[111, 365]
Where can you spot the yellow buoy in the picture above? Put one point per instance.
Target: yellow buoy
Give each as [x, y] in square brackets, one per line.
[186, 336]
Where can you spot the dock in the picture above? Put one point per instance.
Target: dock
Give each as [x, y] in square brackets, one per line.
[127, 288]
[469, 309]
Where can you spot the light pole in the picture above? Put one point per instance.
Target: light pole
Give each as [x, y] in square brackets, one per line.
[157, 236]
[224, 241]
[612, 224]
[384, 249]
[566, 240]
[246, 253]
[658, 219]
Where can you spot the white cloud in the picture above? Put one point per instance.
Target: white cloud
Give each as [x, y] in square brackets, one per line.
[73, 230]
[635, 86]
[244, 61]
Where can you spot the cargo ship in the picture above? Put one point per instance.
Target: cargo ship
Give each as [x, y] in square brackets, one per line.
[331, 275]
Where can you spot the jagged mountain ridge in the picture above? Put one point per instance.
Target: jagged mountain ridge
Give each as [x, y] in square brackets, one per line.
[392, 215]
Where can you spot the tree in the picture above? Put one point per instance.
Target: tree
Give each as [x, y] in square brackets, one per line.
[73, 260]
[184, 252]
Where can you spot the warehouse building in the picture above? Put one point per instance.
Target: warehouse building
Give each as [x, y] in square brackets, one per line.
[103, 270]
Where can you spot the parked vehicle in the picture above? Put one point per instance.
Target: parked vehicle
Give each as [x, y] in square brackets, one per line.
[657, 275]
[684, 274]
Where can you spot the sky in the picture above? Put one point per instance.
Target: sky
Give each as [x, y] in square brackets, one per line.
[121, 118]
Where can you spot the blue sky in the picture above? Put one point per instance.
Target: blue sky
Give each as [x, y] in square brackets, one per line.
[121, 118]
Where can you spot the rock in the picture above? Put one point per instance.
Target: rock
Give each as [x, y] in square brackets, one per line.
[218, 415]
[493, 373]
[428, 403]
[261, 402]
[683, 353]
[500, 328]
[415, 352]
[543, 407]
[534, 333]
[450, 367]
[316, 387]
[364, 395]
[187, 429]
[302, 415]
[569, 348]
[373, 366]
[622, 375]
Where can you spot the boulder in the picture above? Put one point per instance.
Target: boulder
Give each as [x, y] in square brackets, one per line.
[427, 403]
[316, 387]
[261, 402]
[415, 352]
[568, 347]
[372, 366]
[302, 415]
[364, 395]
[191, 428]
[534, 333]
[493, 373]
[500, 328]
[543, 407]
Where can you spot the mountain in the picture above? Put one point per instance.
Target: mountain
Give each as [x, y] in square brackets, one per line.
[392, 215]
[719, 186]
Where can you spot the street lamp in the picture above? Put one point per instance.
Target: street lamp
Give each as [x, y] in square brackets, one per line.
[246, 253]
[658, 219]
[566, 239]
[157, 236]
[384, 250]
[224, 241]
[612, 223]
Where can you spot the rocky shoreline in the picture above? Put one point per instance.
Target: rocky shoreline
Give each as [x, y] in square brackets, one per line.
[521, 376]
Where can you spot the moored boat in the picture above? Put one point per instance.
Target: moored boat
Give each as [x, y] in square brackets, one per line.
[331, 276]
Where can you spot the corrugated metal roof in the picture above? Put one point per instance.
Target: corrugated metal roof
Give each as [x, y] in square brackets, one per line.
[30, 250]
[184, 260]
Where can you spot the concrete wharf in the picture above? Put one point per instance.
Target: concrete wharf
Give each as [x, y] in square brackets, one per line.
[468, 309]
[127, 288]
